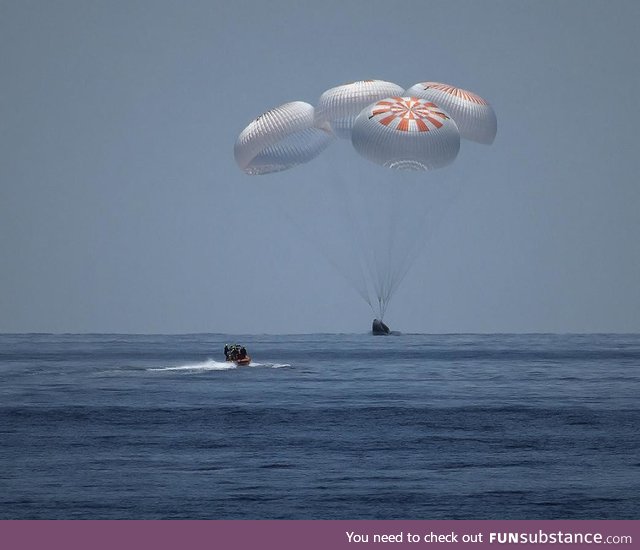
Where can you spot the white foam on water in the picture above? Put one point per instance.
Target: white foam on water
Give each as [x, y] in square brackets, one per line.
[269, 365]
[211, 365]
[207, 365]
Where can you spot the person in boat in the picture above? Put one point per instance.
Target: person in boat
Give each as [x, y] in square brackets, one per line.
[231, 352]
[242, 353]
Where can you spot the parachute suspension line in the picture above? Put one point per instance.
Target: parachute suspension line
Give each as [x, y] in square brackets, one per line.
[355, 200]
[380, 244]
[406, 257]
[428, 225]
[343, 197]
[375, 233]
[439, 198]
[394, 203]
[380, 247]
[322, 247]
[372, 233]
[411, 253]
[386, 272]
[403, 248]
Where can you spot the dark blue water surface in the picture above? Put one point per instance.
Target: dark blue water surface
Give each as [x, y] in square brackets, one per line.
[321, 426]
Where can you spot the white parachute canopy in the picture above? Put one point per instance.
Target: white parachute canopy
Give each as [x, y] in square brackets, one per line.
[280, 139]
[474, 116]
[340, 106]
[406, 133]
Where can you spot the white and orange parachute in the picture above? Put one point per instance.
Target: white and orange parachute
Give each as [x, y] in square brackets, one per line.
[474, 116]
[406, 133]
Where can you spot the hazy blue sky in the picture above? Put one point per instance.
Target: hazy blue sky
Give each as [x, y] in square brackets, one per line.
[117, 125]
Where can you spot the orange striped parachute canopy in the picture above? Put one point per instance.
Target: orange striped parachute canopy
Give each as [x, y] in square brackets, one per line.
[406, 133]
[474, 116]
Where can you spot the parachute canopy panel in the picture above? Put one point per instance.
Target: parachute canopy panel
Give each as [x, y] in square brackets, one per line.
[340, 106]
[280, 139]
[474, 116]
[406, 133]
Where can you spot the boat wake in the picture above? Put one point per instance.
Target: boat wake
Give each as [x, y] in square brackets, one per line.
[211, 365]
[270, 365]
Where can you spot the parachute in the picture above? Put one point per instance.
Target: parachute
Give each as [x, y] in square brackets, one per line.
[379, 218]
[280, 139]
[474, 116]
[339, 107]
[406, 133]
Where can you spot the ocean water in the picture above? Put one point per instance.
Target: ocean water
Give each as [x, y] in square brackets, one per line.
[320, 427]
